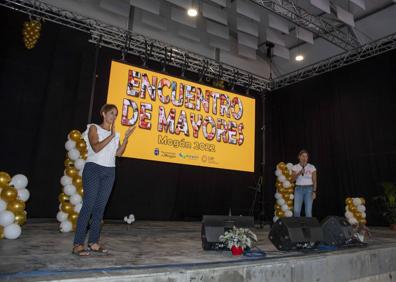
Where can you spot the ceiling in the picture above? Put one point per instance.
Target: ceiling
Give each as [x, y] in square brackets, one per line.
[236, 32]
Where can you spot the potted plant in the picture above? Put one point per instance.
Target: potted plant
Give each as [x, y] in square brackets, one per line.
[388, 203]
[238, 239]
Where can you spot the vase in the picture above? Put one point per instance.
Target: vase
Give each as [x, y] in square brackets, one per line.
[236, 251]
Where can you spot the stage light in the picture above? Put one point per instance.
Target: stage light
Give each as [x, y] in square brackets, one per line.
[192, 12]
[299, 58]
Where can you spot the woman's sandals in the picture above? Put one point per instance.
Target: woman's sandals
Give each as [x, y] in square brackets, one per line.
[80, 251]
[96, 248]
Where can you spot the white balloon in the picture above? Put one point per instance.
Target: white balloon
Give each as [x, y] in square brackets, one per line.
[19, 181]
[361, 208]
[281, 178]
[286, 184]
[70, 144]
[66, 180]
[291, 196]
[73, 154]
[6, 218]
[69, 189]
[79, 164]
[61, 216]
[357, 201]
[3, 205]
[352, 221]
[288, 213]
[66, 226]
[12, 231]
[280, 202]
[275, 218]
[278, 195]
[77, 208]
[278, 172]
[289, 166]
[284, 207]
[363, 214]
[75, 199]
[23, 194]
[80, 172]
[348, 215]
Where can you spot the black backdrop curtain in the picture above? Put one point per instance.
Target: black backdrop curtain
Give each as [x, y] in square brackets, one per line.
[45, 92]
[346, 120]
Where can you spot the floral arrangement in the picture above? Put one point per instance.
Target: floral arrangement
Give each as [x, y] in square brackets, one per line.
[238, 237]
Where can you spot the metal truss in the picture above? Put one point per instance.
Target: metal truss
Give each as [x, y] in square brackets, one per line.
[150, 49]
[288, 10]
[137, 44]
[369, 50]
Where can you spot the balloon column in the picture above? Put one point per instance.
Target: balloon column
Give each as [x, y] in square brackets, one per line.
[355, 211]
[13, 195]
[284, 191]
[72, 189]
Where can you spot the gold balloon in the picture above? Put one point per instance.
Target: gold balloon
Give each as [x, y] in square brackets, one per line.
[363, 221]
[1, 232]
[80, 191]
[81, 145]
[281, 166]
[278, 185]
[352, 208]
[278, 207]
[283, 190]
[5, 178]
[68, 162]
[289, 202]
[20, 217]
[16, 206]
[279, 213]
[363, 201]
[75, 135]
[63, 198]
[9, 194]
[67, 207]
[348, 201]
[77, 181]
[73, 217]
[71, 171]
[357, 215]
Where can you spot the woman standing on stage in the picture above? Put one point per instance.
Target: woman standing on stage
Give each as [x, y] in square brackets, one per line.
[103, 144]
[304, 174]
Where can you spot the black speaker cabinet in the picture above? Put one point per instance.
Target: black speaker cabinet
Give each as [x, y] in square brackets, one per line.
[291, 233]
[337, 231]
[215, 225]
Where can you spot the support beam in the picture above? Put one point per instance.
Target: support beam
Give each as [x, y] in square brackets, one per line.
[288, 10]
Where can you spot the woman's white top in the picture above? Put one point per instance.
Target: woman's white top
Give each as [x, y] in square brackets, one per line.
[306, 179]
[106, 156]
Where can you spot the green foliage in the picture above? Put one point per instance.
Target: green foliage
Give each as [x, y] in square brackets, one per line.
[387, 201]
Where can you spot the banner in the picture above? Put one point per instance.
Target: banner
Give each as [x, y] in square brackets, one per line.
[179, 121]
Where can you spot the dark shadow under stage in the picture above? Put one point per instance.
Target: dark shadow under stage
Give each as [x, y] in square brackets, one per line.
[171, 251]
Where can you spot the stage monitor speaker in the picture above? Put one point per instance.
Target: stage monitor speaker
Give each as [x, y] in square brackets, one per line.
[215, 225]
[291, 233]
[337, 231]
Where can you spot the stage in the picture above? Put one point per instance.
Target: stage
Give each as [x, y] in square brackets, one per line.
[171, 251]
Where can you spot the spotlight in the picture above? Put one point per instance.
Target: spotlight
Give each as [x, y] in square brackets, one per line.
[192, 12]
[299, 58]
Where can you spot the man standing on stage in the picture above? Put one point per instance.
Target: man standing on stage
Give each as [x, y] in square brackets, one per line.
[304, 174]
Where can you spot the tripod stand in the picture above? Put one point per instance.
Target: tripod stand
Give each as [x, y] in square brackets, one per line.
[257, 202]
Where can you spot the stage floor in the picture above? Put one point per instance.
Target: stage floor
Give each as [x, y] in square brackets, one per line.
[43, 253]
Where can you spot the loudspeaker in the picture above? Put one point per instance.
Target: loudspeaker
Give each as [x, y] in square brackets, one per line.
[337, 231]
[291, 233]
[215, 225]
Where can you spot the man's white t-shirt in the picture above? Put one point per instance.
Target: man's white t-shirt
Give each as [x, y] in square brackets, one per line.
[306, 179]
